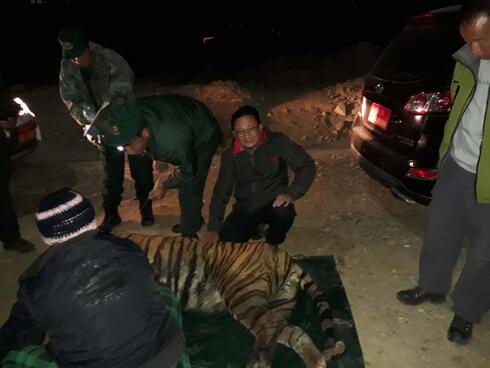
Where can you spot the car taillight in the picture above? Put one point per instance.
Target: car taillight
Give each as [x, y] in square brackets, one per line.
[422, 174]
[423, 103]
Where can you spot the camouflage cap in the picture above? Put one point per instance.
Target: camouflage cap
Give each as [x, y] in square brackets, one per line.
[73, 42]
[120, 124]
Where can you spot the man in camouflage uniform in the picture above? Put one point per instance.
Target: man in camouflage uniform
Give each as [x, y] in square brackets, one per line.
[91, 75]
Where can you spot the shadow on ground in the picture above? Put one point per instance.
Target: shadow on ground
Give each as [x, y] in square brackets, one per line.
[26, 190]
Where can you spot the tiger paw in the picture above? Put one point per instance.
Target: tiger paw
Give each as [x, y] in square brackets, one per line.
[329, 354]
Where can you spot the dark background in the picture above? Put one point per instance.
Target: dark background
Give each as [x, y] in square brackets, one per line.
[167, 37]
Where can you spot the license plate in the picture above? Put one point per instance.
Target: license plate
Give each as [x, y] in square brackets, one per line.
[379, 115]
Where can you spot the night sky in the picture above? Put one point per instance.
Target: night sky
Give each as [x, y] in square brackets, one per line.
[156, 37]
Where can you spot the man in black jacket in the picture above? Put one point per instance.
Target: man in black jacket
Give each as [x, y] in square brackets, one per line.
[255, 170]
[90, 299]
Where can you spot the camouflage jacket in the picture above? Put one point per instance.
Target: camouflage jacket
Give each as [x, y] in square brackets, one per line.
[109, 79]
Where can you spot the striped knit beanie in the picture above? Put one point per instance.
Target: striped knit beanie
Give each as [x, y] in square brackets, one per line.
[64, 215]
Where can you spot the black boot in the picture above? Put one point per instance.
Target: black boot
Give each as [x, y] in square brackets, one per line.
[176, 228]
[460, 330]
[146, 211]
[111, 219]
[20, 245]
[418, 295]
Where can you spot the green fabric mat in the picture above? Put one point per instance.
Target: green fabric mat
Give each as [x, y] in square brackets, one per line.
[218, 341]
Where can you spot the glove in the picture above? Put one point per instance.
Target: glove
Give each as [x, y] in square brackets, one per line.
[89, 113]
[92, 134]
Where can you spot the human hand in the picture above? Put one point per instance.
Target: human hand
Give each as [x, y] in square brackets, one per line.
[158, 192]
[92, 133]
[209, 236]
[282, 200]
[160, 166]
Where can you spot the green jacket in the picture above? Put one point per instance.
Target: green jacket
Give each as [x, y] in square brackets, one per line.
[463, 88]
[178, 127]
[109, 79]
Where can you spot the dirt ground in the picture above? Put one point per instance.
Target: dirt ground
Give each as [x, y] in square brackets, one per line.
[375, 238]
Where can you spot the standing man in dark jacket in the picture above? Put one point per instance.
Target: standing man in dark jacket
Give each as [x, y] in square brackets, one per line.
[91, 75]
[90, 297]
[175, 129]
[9, 227]
[255, 170]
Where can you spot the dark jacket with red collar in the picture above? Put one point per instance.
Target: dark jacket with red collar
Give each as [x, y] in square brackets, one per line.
[257, 177]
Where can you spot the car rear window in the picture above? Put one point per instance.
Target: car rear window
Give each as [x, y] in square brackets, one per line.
[423, 48]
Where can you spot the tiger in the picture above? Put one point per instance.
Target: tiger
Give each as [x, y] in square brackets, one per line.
[257, 283]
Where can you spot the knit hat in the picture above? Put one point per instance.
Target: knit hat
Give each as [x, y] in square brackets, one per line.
[64, 215]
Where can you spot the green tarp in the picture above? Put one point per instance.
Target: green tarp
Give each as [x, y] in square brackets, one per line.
[218, 341]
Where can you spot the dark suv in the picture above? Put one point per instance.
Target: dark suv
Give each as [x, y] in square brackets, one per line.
[406, 102]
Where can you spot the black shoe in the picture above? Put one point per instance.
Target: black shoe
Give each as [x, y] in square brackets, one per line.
[146, 211]
[20, 245]
[460, 330]
[111, 219]
[176, 227]
[418, 295]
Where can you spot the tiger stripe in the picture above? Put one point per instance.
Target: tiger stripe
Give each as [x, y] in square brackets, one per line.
[257, 283]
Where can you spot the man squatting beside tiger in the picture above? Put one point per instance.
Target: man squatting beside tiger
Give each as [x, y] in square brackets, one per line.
[255, 170]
